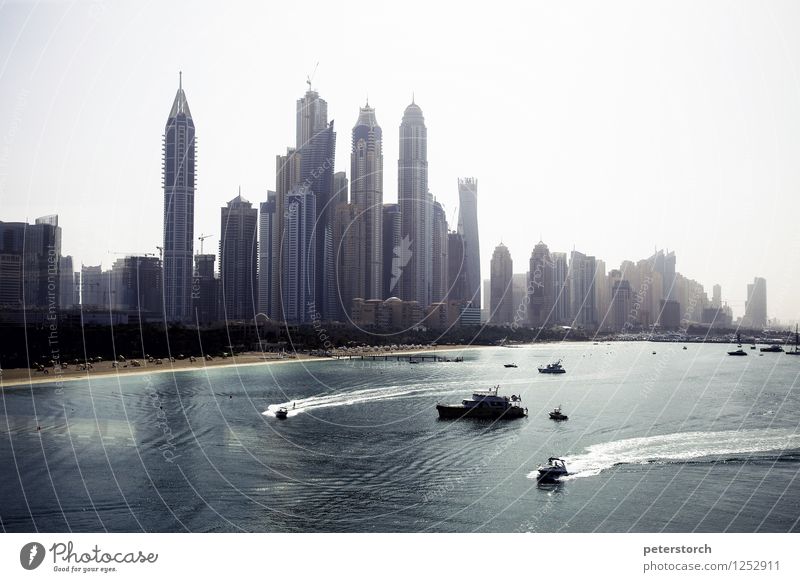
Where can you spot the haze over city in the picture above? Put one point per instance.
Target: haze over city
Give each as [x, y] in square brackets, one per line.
[612, 129]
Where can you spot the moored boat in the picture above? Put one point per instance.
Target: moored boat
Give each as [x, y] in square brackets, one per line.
[509, 365]
[773, 349]
[737, 353]
[486, 404]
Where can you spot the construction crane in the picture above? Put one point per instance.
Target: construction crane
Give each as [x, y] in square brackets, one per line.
[310, 77]
[160, 253]
[203, 237]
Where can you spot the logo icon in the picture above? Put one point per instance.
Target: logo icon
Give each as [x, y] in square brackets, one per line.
[402, 255]
[31, 555]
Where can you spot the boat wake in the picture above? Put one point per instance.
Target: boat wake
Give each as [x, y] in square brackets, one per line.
[722, 446]
[300, 405]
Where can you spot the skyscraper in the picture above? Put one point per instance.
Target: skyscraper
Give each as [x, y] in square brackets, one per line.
[439, 269]
[205, 291]
[238, 259]
[502, 269]
[267, 224]
[416, 214]
[366, 187]
[287, 176]
[300, 257]
[456, 274]
[581, 289]
[30, 256]
[66, 277]
[755, 308]
[340, 189]
[716, 299]
[392, 249]
[468, 228]
[540, 287]
[348, 252]
[561, 309]
[136, 284]
[179, 180]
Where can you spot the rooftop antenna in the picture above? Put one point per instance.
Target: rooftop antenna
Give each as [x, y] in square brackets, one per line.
[180, 80]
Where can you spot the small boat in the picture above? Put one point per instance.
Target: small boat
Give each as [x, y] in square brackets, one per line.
[753, 347]
[796, 350]
[509, 365]
[737, 353]
[773, 349]
[684, 347]
[557, 414]
[281, 413]
[654, 353]
[485, 404]
[553, 470]
[554, 368]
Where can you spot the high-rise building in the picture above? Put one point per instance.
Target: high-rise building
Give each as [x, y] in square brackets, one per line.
[561, 302]
[416, 213]
[541, 305]
[287, 176]
[468, 228]
[393, 254]
[366, 188]
[716, 298]
[502, 269]
[349, 234]
[456, 273]
[66, 276]
[205, 290]
[755, 308]
[439, 269]
[238, 259]
[582, 271]
[620, 304]
[95, 287]
[179, 190]
[312, 117]
[340, 189]
[267, 236]
[10, 280]
[300, 244]
[31, 262]
[136, 284]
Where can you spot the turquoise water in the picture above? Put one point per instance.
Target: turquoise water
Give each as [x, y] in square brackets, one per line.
[681, 440]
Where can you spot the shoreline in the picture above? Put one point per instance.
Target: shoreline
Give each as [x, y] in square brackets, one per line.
[19, 377]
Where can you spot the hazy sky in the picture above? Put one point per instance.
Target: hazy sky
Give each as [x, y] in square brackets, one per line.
[609, 127]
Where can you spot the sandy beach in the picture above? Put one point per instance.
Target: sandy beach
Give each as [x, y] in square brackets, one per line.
[18, 377]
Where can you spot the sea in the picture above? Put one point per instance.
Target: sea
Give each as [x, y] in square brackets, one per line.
[661, 437]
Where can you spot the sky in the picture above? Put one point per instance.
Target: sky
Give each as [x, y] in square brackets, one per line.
[609, 127]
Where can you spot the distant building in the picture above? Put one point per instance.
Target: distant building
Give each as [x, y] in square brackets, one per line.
[468, 229]
[670, 315]
[561, 301]
[136, 285]
[456, 271]
[582, 271]
[348, 241]
[300, 272]
[502, 269]
[95, 287]
[238, 259]
[268, 237]
[205, 290]
[440, 275]
[620, 305]
[340, 189]
[716, 298]
[540, 287]
[66, 276]
[755, 310]
[393, 252]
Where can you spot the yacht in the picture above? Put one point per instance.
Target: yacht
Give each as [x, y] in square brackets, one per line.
[485, 404]
[739, 352]
[554, 368]
[553, 470]
[774, 348]
[281, 413]
[509, 365]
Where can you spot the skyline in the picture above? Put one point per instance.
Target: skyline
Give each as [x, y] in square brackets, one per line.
[712, 126]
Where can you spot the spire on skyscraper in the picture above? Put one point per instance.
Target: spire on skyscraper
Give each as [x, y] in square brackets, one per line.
[180, 106]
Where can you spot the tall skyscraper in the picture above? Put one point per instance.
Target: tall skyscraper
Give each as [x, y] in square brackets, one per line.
[340, 189]
[541, 306]
[620, 305]
[581, 290]
[348, 252]
[300, 245]
[416, 213]
[238, 259]
[456, 273]
[205, 292]
[440, 277]
[716, 298]
[287, 176]
[316, 145]
[66, 276]
[30, 257]
[136, 284]
[755, 309]
[267, 236]
[366, 187]
[502, 269]
[179, 180]
[468, 228]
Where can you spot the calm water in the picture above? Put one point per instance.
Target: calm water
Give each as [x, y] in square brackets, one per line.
[683, 440]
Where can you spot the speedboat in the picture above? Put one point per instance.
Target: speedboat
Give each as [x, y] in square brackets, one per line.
[281, 413]
[509, 365]
[557, 414]
[485, 404]
[737, 353]
[554, 368]
[553, 470]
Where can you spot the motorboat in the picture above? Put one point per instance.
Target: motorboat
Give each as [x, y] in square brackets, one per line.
[737, 353]
[773, 349]
[509, 365]
[282, 413]
[487, 404]
[554, 368]
[557, 414]
[552, 471]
